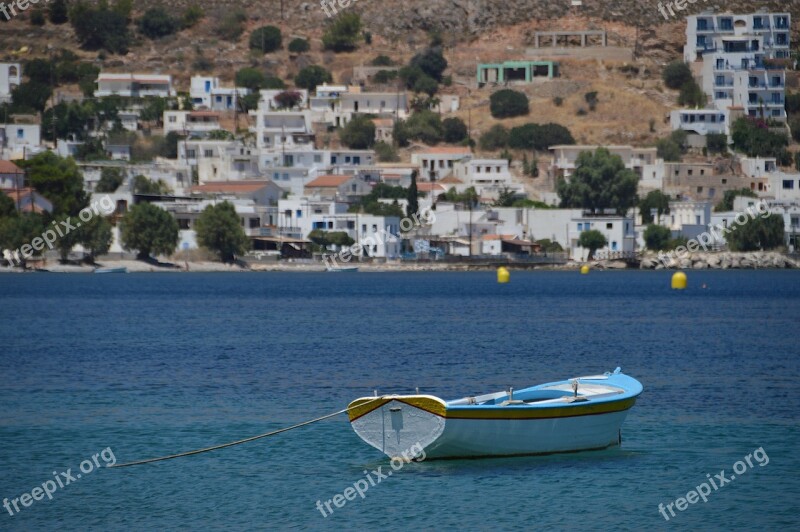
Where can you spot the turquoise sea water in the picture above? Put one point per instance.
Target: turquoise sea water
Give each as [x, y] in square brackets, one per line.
[152, 364]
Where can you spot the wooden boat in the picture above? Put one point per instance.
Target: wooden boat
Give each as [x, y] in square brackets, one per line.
[583, 413]
[121, 269]
[347, 269]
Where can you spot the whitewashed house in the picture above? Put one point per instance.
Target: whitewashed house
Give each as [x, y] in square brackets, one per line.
[438, 162]
[134, 85]
[207, 93]
[618, 230]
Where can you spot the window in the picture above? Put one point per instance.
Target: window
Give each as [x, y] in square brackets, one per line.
[690, 171]
[724, 181]
[173, 119]
[346, 159]
[609, 225]
[208, 153]
[580, 226]
[726, 24]
[12, 72]
[776, 81]
[299, 213]
[795, 221]
[701, 40]
[699, 190]
[333, 159]
[788, 184]
[720, 64]
[190, 154]
[702, 24]
[317, 158]
[20, 133]
[614, 245]
[781, 39]
[363, 228]
[702, 171]
[697, 219]
[356, 159]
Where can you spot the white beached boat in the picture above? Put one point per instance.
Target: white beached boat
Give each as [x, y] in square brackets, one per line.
[578, 414]
[343, 269]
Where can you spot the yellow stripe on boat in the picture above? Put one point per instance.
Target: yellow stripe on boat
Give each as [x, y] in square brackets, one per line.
[364, 405]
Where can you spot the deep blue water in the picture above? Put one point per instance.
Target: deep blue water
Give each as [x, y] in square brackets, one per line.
[153, 364]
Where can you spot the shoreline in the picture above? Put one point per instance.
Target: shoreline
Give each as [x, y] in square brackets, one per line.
[648, 261]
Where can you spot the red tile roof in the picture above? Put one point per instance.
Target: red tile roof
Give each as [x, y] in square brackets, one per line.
[7, 167]
[329, 181]
[230, 187]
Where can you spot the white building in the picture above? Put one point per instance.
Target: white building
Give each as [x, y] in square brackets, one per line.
[438, 162]
[10, 77]
[488, 176]
[134, 85]
[377, 234]
[207, 93]
[191, 121]
[733, 50]
[700, 121]
[784, 187]
[618, 230]
[278, 130]
[643, 161]
[18, 140]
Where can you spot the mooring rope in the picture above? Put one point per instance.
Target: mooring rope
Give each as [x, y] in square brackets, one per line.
[239, 442]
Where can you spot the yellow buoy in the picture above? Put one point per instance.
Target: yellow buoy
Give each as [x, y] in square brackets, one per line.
[503, 276]
[584, 269]
[678, 281]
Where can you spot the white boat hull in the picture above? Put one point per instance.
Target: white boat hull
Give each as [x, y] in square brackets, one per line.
[540, 420]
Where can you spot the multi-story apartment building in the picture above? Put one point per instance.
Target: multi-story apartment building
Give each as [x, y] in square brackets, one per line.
[738, 70]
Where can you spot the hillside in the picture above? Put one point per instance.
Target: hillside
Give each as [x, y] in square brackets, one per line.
[633, 104]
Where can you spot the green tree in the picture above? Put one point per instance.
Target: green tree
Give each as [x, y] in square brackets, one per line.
[38, 18]
[57, 11]
[753, 137]
[413, 196]
[507, 103]
[382, 60]
[600, 181]
[656, 237]
[8, 207]
[668, 150]
[18, 233]
[95, 236]
[149, 230]
[266, 39]
[424, 126]
[726, 204]
[494, 139]
[591, 100]
[100, 27]
[343, 34]
[431, 62]
[311, 76]
[231, 26]
[299, 45]
[359, 133]
[654, 200]
[59, 180]
[717, 142]
[539, 136]
[110, 180]
[68, 240]
[219, 230]
[288, 99]
[505, 198]
[757, 234]
[455, 130]
[141, 185]
[157, 23]
[692, 95]
[676, 74]
[592, 240]
[250, 78]
[323, 239]
[31, 96]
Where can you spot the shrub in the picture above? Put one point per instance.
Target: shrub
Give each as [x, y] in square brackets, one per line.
[37, 18]
[558, 101]
[424, 126]
[427, 85]
[231, 26]
[384, 76]
[494, 139]
[343, 34]
[266, 39]
[692, 95]
[311, 76]
[539, 136]
[386, 152]
[794, 125]
[591, 100]
[299, 46]
[156, 23]
[382, 60]
[507, 103]
[717, 142]
[656, 237]
[677, 74]
[359, 133]
[191, 16]
[100, 28]
[753, 137]
[668, 150]
[57, 12]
